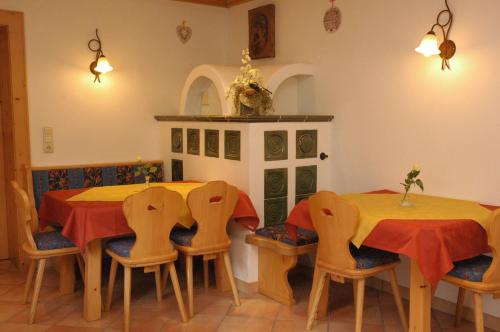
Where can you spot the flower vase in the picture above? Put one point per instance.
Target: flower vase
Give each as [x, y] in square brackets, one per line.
[147, 177]
[247, 111]
[406, 202]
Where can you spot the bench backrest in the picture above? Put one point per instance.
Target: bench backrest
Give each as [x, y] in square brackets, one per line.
[87, 176]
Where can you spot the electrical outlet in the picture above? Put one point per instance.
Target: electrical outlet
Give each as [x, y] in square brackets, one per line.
[48, 140]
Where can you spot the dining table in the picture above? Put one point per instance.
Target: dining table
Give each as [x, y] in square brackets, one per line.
[434, 232]
[89, 216]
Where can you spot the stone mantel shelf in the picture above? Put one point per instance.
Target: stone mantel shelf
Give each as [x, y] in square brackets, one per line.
[245, 119]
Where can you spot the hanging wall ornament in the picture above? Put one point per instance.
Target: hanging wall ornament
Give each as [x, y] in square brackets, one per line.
[333, 18]
[184, 32]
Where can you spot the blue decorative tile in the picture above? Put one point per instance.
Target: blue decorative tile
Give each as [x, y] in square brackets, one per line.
[75, 178]
[109, 176]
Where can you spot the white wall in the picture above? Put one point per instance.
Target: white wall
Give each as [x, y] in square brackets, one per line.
[115, 118]
[394, 108]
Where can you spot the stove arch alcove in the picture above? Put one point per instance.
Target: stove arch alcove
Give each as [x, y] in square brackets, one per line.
[204, 91]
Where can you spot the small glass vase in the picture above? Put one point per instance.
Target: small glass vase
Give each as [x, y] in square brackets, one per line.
[147, 178]
[406, 202]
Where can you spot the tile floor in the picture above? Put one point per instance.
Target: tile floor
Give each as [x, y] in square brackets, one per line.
[214, 311]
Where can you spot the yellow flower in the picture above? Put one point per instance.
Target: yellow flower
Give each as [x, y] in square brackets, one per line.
[139, 159]
[415, 168]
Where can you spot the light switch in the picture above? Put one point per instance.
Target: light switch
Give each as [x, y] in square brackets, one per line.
[48, 140]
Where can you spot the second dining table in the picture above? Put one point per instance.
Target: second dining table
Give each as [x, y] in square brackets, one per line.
[88, 216]
[433, 233]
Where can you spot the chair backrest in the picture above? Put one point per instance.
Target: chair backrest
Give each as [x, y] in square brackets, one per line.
[212, 206]
[492, 275]
[152, 214]
[336, 221]
[27, 224]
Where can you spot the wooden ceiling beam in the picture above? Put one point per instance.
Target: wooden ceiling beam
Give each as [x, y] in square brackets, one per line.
[217, 3]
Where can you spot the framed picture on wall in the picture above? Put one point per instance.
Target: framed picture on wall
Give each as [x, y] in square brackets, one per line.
[261, 28]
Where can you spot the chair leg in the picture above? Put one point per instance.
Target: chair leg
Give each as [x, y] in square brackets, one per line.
[205, 273]
[36, 292]
[81, 266]
[229, 270]
[478, 312]
[164, 278]
[111, 284]
[354, 290]
[316, 297]
[127, 280]
[29, 280]
[159, 290]
[397, 298]
[360, 298]
[460, 306]
[177, 290]
[189, 277]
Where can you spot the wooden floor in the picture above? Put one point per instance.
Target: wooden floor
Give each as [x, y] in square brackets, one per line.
[213, 310]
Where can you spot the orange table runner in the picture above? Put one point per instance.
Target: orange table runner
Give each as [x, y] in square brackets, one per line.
[433, 244]
[86, 221]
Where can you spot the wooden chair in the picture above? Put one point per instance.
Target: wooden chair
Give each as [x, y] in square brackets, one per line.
[39, 246]
[336, 221]
[151, 214]
[211, 206]
[480, 275]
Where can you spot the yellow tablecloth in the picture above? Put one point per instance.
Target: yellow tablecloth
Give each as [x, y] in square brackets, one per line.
[375, 208]
[120, 193]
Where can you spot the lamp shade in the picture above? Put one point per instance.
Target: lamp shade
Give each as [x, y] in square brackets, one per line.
[429, 45]
[103, 65]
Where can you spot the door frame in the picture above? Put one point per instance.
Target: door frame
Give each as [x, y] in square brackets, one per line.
[15, 126]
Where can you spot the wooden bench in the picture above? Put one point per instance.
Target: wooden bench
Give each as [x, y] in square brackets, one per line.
[276, 259]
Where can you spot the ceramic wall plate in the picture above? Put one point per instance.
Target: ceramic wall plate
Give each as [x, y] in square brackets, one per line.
[332, 19]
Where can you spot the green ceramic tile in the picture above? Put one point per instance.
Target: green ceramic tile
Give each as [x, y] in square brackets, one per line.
[232, 145]
[300, 198]
[177, 140]
[193, 141]
[305, 180]
[276, 145]
[275, 183]
[275, 211]
[307, 144]
[177, 170]
[212, 143]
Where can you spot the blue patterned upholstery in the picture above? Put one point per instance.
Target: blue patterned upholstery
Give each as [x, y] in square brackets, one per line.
[279, 233]
[122, 246]
[471, 269]
[367, 258]
[52, 240]
[183, 236]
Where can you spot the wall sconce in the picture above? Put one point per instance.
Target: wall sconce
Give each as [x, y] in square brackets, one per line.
[429, 44]
[100, 65]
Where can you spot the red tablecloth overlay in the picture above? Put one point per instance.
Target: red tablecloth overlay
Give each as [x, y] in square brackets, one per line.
[433, 244]
[86, 221]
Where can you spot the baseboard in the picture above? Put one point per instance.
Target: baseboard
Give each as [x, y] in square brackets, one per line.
[245, 287]
[490, 321]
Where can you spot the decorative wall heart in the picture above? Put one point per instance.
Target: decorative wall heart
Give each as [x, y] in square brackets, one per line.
[184, 32]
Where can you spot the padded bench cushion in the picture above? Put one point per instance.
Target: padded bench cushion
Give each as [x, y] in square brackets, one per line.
[279, 233]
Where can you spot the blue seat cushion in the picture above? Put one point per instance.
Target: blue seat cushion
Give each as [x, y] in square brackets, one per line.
[279, 233]
[367, 257]
[51, 241]
[121, 246]
[183, 236]
[471, 269]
